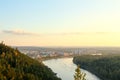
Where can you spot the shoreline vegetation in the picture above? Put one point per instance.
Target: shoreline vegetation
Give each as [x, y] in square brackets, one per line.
[106, 67]
[54, 57]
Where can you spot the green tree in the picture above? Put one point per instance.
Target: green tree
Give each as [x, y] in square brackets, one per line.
[78, 74]
[16, 66]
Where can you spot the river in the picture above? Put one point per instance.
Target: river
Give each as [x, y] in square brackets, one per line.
[65, 69]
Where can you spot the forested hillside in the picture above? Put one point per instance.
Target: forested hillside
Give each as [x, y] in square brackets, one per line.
[16, 66]
[106, 67]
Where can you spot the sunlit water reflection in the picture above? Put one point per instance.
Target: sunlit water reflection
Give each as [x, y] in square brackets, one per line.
[65, 69]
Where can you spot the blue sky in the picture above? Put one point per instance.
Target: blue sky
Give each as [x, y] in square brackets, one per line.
[23, 22]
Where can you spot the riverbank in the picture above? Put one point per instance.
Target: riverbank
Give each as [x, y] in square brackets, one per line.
[54, 57]
[106, 67]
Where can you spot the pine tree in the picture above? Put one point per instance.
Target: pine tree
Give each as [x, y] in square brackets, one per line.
[79, 75]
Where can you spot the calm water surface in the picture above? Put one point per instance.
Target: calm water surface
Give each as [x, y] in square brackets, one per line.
[65, 69]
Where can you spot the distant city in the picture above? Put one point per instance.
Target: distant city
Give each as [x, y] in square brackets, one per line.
[41, 52]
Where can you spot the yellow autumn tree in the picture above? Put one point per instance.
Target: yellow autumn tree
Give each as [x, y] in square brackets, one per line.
[78, 74]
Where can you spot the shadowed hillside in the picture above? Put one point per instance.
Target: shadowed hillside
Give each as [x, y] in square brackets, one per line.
[17, 66]
[107, 67]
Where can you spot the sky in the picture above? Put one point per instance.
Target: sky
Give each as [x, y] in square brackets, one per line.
[60, 22]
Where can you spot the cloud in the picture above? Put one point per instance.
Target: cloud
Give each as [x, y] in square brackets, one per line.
[18, 32]
[81, 33]
[76, 33]
[22, 32]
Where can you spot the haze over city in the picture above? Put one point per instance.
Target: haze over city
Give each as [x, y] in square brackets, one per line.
[60, 22]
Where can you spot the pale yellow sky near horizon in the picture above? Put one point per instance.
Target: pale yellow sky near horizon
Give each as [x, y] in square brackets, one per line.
[70, 40]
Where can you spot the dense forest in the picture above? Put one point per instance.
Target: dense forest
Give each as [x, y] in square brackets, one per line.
[107, 67]
[16, 66]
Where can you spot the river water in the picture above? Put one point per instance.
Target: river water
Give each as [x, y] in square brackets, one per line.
[65, 69]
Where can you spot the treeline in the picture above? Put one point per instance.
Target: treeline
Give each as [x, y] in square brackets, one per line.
[105, 67]
[17, 66]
